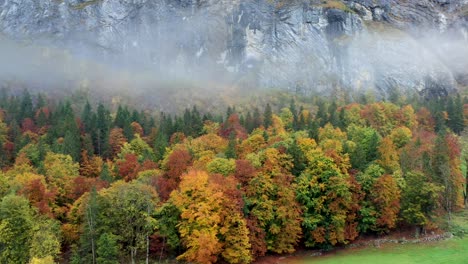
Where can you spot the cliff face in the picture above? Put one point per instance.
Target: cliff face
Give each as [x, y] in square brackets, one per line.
[296, 44]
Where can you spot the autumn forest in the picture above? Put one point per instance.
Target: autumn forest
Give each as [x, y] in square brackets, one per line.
[94, 183]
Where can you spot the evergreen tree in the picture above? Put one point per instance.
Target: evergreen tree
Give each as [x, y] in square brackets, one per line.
[267, 116]
[105, 173]
[314, 130]
[455, 112]
[332, 113]
[257, 119]
[160, 144]
[321, 115]
[102, 131]
[26, 108]
[292, 108]
[249, 122]
[107, 249]
[41, 102]
[87, 117]
[197, 123]
[231, 149]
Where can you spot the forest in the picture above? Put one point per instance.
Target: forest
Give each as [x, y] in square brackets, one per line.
[94, 183]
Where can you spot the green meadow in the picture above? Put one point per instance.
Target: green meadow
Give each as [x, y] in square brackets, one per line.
[451, 251]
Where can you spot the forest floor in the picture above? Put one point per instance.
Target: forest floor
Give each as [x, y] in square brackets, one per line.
[433, 248]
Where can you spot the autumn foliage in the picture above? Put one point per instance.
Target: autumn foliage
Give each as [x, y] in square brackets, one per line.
[105, 186]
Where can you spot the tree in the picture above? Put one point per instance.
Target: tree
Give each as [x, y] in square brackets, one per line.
[161, 142]
[222, 166]
[385, 196]
[89, 234]
[46, 241]
[91, 166]
[233, 231]
[455, 114]
[116, 141]
[131, 203]
[388, 156]
[366, 142]
[200, 207]
[107, 249]
[446, 171]
[231, 148]
[35, 189]
[267, 116]
[106, 174]
[60, 170]
[271, 202]
[324, 193]
[102, 131]
[26, 108]
[3, 141]
[16, 229]
[420, 199]
[168, 218]
[87, 117]
[138, 147]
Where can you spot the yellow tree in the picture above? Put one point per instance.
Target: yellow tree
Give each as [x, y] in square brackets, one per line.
[324, 193]
[271, 201]
[60, 171]
[332, 140]
[388, 155]
[200, 207]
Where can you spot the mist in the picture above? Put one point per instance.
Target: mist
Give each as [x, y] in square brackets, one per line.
[217, 55]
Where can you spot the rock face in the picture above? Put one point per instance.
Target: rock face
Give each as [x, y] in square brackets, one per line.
[301, 45]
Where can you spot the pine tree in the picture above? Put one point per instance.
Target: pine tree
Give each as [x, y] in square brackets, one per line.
[26, 108]
[267, 116]
[257, 119]
[231, 149]
[105, 174]
[292, 108]
[87, 117]
[102, 131]
[457, 119]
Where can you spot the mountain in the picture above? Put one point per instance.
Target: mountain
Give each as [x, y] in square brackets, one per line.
[300, 45]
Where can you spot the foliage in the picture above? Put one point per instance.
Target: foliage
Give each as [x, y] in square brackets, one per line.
[221, 188]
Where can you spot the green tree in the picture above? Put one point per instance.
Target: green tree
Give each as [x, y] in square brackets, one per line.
[138, 147]
[455, 114]
[161, 142]
[420, 199]
[101, 138]
[324, 193]
[168, 218]
[105, 174]
[107, 249]
[16, 229]
[26, 108]
[267, 116]
[133, 204]
[231, 148]
[46, 241]
[366, 141]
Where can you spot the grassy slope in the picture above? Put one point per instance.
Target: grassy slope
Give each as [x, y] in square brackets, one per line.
[451, 251]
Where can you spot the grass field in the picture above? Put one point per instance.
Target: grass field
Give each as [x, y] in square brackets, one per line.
[452, 251]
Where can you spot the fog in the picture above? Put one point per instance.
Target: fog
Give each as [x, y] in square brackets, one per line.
[175, 63]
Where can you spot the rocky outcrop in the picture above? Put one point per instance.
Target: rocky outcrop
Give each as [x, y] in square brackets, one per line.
[295, 44]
